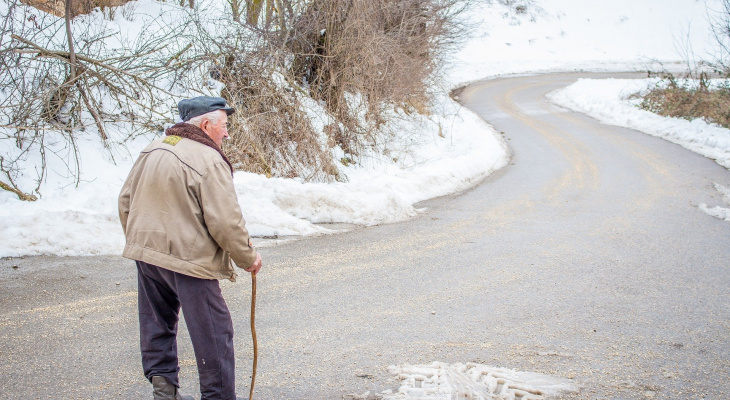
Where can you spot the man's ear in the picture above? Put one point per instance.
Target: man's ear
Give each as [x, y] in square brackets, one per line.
[204, 125]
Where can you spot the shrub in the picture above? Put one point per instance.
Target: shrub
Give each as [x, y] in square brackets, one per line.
[306, 76]
[356, 58]
[687, 100]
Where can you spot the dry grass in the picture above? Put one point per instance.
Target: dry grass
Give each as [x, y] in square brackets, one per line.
[356, 58]
[694, 96]
[270, 133]
[682, 100]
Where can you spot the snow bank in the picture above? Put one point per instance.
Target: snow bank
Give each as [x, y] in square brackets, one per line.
[445, 153]
[434, 156]
[608, 101]
[423, 157]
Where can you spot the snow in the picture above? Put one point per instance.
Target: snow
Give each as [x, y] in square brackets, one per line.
[717, 211]
[443, 153]
[382, 192]
[608, 100]
[570, 35]
[441, 381]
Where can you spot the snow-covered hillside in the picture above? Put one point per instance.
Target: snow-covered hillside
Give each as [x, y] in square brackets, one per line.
[570, 35]
[436, 155]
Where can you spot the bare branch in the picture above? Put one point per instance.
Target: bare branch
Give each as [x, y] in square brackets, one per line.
[20, 194]
[63, 55]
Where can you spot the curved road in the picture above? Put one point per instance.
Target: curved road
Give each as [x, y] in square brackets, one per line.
[585, 258]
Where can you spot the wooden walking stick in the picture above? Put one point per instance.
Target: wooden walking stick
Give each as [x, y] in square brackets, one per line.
[253, 333]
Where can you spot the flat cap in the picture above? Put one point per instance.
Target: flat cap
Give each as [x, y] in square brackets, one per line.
[191, 108]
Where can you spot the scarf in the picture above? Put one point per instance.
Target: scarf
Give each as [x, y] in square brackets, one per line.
[192, 132]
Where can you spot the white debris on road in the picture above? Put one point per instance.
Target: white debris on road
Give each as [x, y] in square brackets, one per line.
[717, 211]
[441, 381]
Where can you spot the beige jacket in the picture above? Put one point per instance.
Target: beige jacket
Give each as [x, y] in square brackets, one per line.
[179, 211]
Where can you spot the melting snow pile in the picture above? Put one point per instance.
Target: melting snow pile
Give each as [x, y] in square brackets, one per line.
[440, 381]
[719, 212]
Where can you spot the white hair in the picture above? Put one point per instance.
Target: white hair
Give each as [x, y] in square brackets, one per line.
[213, 117]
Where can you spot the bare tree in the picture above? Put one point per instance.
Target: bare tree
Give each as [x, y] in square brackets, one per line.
[354, 59]
[720, 21]
[59, 79]
[357, 58]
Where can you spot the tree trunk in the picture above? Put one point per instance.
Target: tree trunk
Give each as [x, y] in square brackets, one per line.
[235, 9]
[253, 11]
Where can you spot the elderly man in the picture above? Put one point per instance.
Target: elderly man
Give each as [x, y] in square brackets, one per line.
[183, 225]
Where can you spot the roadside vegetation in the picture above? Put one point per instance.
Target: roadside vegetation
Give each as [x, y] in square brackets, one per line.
[310, 78]
[690, 99]
[704, 92]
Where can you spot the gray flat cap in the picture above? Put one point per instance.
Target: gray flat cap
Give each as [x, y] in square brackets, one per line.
[191, 108]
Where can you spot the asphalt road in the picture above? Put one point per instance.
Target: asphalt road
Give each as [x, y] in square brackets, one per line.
[585, 258]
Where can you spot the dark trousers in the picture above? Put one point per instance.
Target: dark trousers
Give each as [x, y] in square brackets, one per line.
[161, 295]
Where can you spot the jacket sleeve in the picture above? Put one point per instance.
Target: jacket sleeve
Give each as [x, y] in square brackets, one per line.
[222, 215]
[123, 202]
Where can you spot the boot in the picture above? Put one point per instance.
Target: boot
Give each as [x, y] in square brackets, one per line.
[164, 390]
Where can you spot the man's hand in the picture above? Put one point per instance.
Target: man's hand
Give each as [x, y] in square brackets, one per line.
[256, 266]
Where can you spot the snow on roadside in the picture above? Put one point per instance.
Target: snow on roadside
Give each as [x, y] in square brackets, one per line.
[608, 101]
[441, 381]
[445, 153]
[429, 156]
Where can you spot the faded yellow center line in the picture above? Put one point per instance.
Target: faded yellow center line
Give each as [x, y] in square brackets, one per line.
[654, 169]
[583, 173]
[343, 263]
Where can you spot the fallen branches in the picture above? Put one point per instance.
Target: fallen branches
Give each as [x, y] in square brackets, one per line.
[21, 195]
